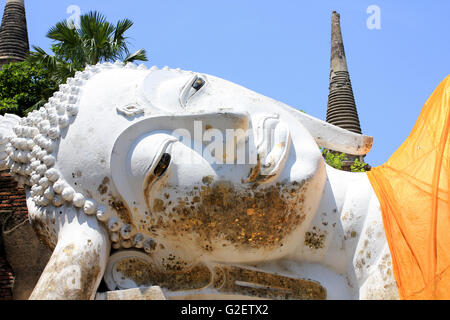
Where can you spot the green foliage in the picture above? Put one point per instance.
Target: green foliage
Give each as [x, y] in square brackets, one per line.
[96, 40]
[28, 85]
[58, 69]
[23, 85]
[334, 160]
[358, 166]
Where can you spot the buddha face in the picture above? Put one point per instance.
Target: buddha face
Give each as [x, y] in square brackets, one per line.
[230, 177]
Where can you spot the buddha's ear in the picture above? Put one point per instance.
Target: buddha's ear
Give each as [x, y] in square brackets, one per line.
[332, 137]
[272, 140]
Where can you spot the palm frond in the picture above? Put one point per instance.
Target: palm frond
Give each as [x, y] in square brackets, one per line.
[40, 57]
[65, 33]
[122, 27]
[90, 23]
[95, 40]
[139, 55]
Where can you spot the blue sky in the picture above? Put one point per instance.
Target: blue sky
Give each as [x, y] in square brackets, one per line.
[282, 50]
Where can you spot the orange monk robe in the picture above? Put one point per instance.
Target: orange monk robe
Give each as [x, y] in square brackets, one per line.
[413, 190]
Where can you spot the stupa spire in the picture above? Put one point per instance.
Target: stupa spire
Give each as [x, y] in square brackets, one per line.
[341, 109]
[14, 45]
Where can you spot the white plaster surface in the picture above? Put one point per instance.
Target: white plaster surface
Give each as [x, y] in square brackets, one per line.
[88, 160]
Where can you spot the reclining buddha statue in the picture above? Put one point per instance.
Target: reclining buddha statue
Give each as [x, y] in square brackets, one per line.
[162, 177]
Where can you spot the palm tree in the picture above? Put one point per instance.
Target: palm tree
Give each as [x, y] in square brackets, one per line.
[96, 40]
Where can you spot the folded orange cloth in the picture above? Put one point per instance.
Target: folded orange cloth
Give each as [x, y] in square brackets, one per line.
[413, 190]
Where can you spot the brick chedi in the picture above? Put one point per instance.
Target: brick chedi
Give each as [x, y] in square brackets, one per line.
[341, 109]
[14, 45]
[13, 210]
[22, 256]
[6, 279]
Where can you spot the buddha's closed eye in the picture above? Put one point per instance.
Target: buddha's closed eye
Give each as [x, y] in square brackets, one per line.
[162, 165]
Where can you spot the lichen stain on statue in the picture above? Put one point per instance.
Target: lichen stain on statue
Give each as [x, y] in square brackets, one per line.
[131, 160]
[75, 288]
[218, 215]
[41, 226]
